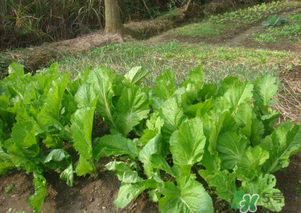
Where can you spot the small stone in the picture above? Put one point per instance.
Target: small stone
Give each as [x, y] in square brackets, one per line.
[103, 207]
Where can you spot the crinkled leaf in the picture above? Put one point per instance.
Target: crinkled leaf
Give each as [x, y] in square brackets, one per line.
[231, 148]
[57, 159]
[173, 116]
[165, 85]
[50, 112]
[37, 199]
[282, 144]
[136, 74]
[127, 192]
[114, 145]
[68, 175]
[124, 173]
[131, 108]
[265, 88]
[82, 123]
[187, 144]
[103, 80]
[188, 197]
[264, 187]
[224, 183]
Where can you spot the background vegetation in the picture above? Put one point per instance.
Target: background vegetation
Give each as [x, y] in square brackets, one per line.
[26, 22]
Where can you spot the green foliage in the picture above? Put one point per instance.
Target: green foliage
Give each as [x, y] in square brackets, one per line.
[161, 138]
[254, 14]
[290, 31]
[273, 21]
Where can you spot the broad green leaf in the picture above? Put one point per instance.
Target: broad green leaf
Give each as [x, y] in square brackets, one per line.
[187, 144]
[132, 107]
[224, 183]
[235, 96]
[68, 175]
[114, 145]
[215, 132]
[103, 80]
[82, 123]
[124, 173]
[37, 199]
[251, 164]
[264, 187]
[16, 69]
[145, 156]
[231, 148]
[85, 96]
[188, 197]
[195, 78]
[85, 166]
[50, 112]
[5, 161]
[265, 88]
[136, 74]
[282, 144]
[165, 85]
[173, 116]
[57, 159]
[127, 192]
[199, 109]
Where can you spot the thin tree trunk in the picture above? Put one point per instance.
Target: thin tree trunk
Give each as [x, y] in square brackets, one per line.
[113, 23]
[187, 6]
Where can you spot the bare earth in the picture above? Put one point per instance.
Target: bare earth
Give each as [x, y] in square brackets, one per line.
[96, 194]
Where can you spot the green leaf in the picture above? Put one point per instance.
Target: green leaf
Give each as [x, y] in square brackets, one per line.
[82, 123]
[57, 159]
[172, 115]
[50, 112]
[195, 78]
[251, 165]
[37, 199]
[16, 69]
[190, 196]
[225, 184]
[165, 85]
[68, 175]
[114, 145]
[124, 173]
[187, 144]
[282, 144]
[103, 80]
[5, 161]
[264, 187]
[231, 148]
[136, 74]
[132, 107]
[127, 192]
[265, 88]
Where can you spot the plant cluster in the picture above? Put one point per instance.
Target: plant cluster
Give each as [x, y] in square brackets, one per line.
[290, 31]
[173, 142]
[254, 14]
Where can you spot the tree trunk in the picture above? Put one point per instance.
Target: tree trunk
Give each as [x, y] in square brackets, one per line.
[113, 23]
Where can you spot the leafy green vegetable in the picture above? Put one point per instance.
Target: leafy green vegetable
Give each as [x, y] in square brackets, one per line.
[159, 137]
[273, 21]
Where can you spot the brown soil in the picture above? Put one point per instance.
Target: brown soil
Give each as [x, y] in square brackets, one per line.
[96, 194]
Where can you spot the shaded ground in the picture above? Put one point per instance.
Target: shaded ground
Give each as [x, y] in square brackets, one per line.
[96, 194]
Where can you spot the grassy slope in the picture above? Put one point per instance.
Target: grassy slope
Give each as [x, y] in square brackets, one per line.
[218, 61]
